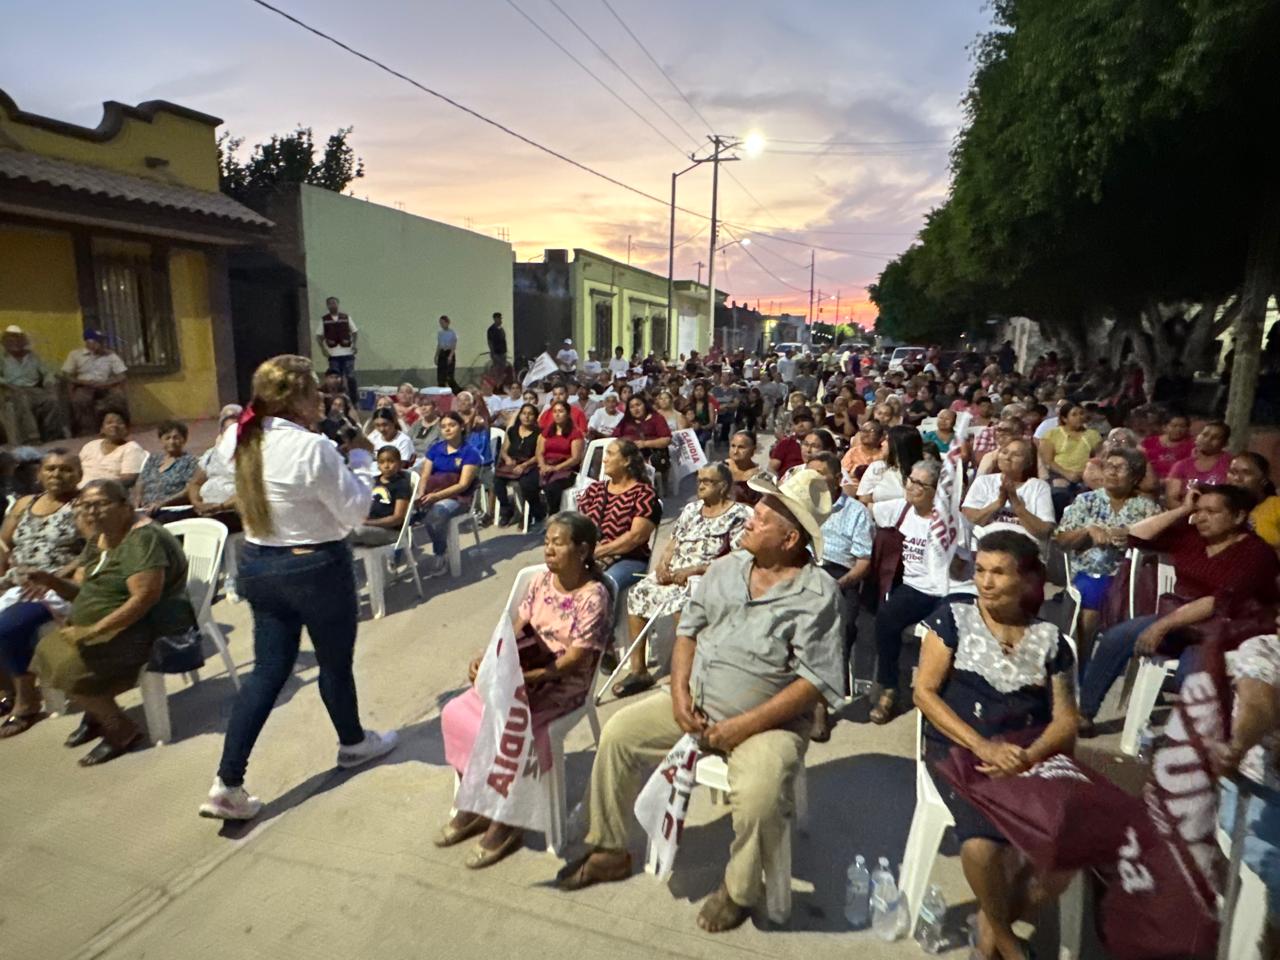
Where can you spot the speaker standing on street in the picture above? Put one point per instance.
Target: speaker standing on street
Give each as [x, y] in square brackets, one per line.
[299, 501]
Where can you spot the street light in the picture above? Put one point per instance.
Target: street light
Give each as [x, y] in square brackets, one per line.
[744, 242]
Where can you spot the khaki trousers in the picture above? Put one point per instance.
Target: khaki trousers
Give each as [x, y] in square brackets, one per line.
[762, 773]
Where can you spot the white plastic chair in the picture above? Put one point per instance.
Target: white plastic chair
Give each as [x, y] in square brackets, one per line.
[1152, 672]
[557, 730]
[585, 474]
[203, 542]
[231, 565]
[1251, 910]
[377, 560]
[453, 546]
[713, 771]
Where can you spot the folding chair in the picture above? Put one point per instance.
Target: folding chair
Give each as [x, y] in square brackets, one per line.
[1150, 678]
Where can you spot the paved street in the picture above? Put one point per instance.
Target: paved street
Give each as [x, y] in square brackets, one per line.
[114, 863]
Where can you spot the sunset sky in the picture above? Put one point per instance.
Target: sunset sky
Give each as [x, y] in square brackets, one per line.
[858, 101]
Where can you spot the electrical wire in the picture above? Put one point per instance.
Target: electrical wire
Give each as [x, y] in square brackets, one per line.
[756, 261]
[592, 74]
[855, 143]
[652, 59]
[622, 70]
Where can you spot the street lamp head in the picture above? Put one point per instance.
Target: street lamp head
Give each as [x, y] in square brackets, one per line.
[746, 241]
[753, 144]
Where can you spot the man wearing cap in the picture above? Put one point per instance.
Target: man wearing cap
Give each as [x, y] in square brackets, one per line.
[336, 333]
[94, 375]
[447, 356]
[759, 647]
[31, 411]
[567, 358]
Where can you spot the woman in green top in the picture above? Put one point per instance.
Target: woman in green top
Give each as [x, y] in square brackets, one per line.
[1065, 451]
[129, 588]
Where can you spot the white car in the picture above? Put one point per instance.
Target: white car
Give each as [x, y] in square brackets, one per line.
[905, 355]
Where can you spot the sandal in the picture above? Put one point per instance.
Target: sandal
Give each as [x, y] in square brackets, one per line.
[886, 707]
[820, 731]
[481, 856]
[635, 683]
[86, 731]
[105, 751]
[580, 874]
[450, 835]
[17, 723]
[720, 913]
[609, 660]
[1085, 729]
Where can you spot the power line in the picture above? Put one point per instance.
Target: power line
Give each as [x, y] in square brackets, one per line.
[591, 73]
[850, 153]
[652, 59]
[756, 261]
[811, 246]
[855, 143]
[475, 113]
[634, 82]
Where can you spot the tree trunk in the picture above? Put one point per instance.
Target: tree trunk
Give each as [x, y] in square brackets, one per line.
[1259, 279]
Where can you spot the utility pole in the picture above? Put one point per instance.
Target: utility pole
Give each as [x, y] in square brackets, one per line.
[628, 249]
[719, 145]
[837, 314]
[811, 288]
[700, 266]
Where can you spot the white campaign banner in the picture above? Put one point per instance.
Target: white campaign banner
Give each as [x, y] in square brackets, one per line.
[639, 384]
[503, 777]
[542, 368]
[664, 803]
[687, 455]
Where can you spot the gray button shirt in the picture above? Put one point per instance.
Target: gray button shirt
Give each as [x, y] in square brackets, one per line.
[749, 649]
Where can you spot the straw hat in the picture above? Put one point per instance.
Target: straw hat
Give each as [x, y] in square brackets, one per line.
[807, 497]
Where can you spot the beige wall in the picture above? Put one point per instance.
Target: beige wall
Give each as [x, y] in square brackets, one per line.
[395, 274]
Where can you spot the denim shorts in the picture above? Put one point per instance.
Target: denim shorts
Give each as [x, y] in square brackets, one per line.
[1261, 844]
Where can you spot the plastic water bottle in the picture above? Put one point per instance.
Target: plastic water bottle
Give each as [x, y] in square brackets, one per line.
[930, 932]
[1146, 743]
[857, 896]
[886, 903]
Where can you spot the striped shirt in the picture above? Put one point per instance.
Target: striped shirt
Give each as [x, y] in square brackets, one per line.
[613, 513]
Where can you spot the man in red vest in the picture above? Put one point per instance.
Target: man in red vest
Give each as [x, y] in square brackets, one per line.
[336, 334]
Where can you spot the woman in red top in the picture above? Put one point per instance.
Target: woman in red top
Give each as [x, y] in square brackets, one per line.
[626, 511]
[1207, 464]
[1223, 570]
[559, 453]
[647, 429]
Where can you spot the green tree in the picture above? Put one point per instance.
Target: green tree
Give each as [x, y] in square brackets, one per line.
[290, 158]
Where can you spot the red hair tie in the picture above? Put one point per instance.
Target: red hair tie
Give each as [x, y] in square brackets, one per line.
[247, 416]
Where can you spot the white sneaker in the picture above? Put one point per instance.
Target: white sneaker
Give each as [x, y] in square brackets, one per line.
[373, 745]
[436, 567]
[229, 803]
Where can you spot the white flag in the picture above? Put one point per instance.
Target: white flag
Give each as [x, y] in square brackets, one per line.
[664, 803]
[503, 777]
[639, 384]
[687, 455]
[542, 368]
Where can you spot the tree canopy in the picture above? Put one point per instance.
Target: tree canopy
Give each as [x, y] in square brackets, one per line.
[1117, 158]
[288, 158]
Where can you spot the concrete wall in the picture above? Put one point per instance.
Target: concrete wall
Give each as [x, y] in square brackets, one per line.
[395, 274]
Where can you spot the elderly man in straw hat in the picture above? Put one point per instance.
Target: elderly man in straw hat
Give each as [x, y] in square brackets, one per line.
[32, 413]
[760, 645]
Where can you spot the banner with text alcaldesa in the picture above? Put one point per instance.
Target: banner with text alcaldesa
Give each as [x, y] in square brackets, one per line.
[503, 780]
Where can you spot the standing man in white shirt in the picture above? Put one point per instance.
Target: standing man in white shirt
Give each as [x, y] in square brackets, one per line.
[298, 501]
[618, 366]
[336, 334]
[567, 358]
[446, 356]
[592, 368]
[95, 376]
[787, 369]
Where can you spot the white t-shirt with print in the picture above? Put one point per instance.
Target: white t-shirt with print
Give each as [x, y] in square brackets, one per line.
[1034, 493]
[924, 563]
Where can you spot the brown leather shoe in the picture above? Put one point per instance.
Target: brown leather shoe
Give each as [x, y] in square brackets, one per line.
[588, 871]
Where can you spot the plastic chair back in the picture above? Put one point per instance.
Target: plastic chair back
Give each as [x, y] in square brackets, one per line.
[203, 540]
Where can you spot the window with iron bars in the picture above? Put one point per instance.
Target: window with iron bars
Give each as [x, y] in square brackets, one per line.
[135, 310]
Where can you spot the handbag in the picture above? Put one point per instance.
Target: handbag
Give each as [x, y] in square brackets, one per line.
[886, 563]
[1230, 625]
[177, 652]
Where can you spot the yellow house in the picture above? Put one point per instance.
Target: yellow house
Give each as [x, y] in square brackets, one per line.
[122, 228]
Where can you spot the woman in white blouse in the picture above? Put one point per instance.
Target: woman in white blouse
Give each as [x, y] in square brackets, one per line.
[886, 479]
[1014, 495]
[298, 501]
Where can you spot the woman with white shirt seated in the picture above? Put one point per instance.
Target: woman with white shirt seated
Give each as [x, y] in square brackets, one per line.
[1014, 495]
[385, 431]
[299, 501]
[212, 490]
[884, 479]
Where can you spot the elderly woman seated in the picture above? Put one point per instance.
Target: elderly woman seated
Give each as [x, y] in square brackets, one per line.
[164, 477]
[1000, 683]
[706, 529]
[1013, 495]
[626, 511]
[562, 624]
[39, 533]
[212, 488]
[742, 467]
[1121, 438]
[128, 590]
[113, 455]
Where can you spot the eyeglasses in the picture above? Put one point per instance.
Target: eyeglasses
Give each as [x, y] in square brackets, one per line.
[912, 481]
[94, 506]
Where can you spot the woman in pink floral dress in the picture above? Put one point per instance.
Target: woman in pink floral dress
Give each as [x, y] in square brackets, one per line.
[562, 625]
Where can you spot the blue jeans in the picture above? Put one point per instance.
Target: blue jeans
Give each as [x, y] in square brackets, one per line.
[19, 630]
[436, 520]
[1110, 658]
[286, 592]
[1261, 843]
[624, 573]
[347, 367]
